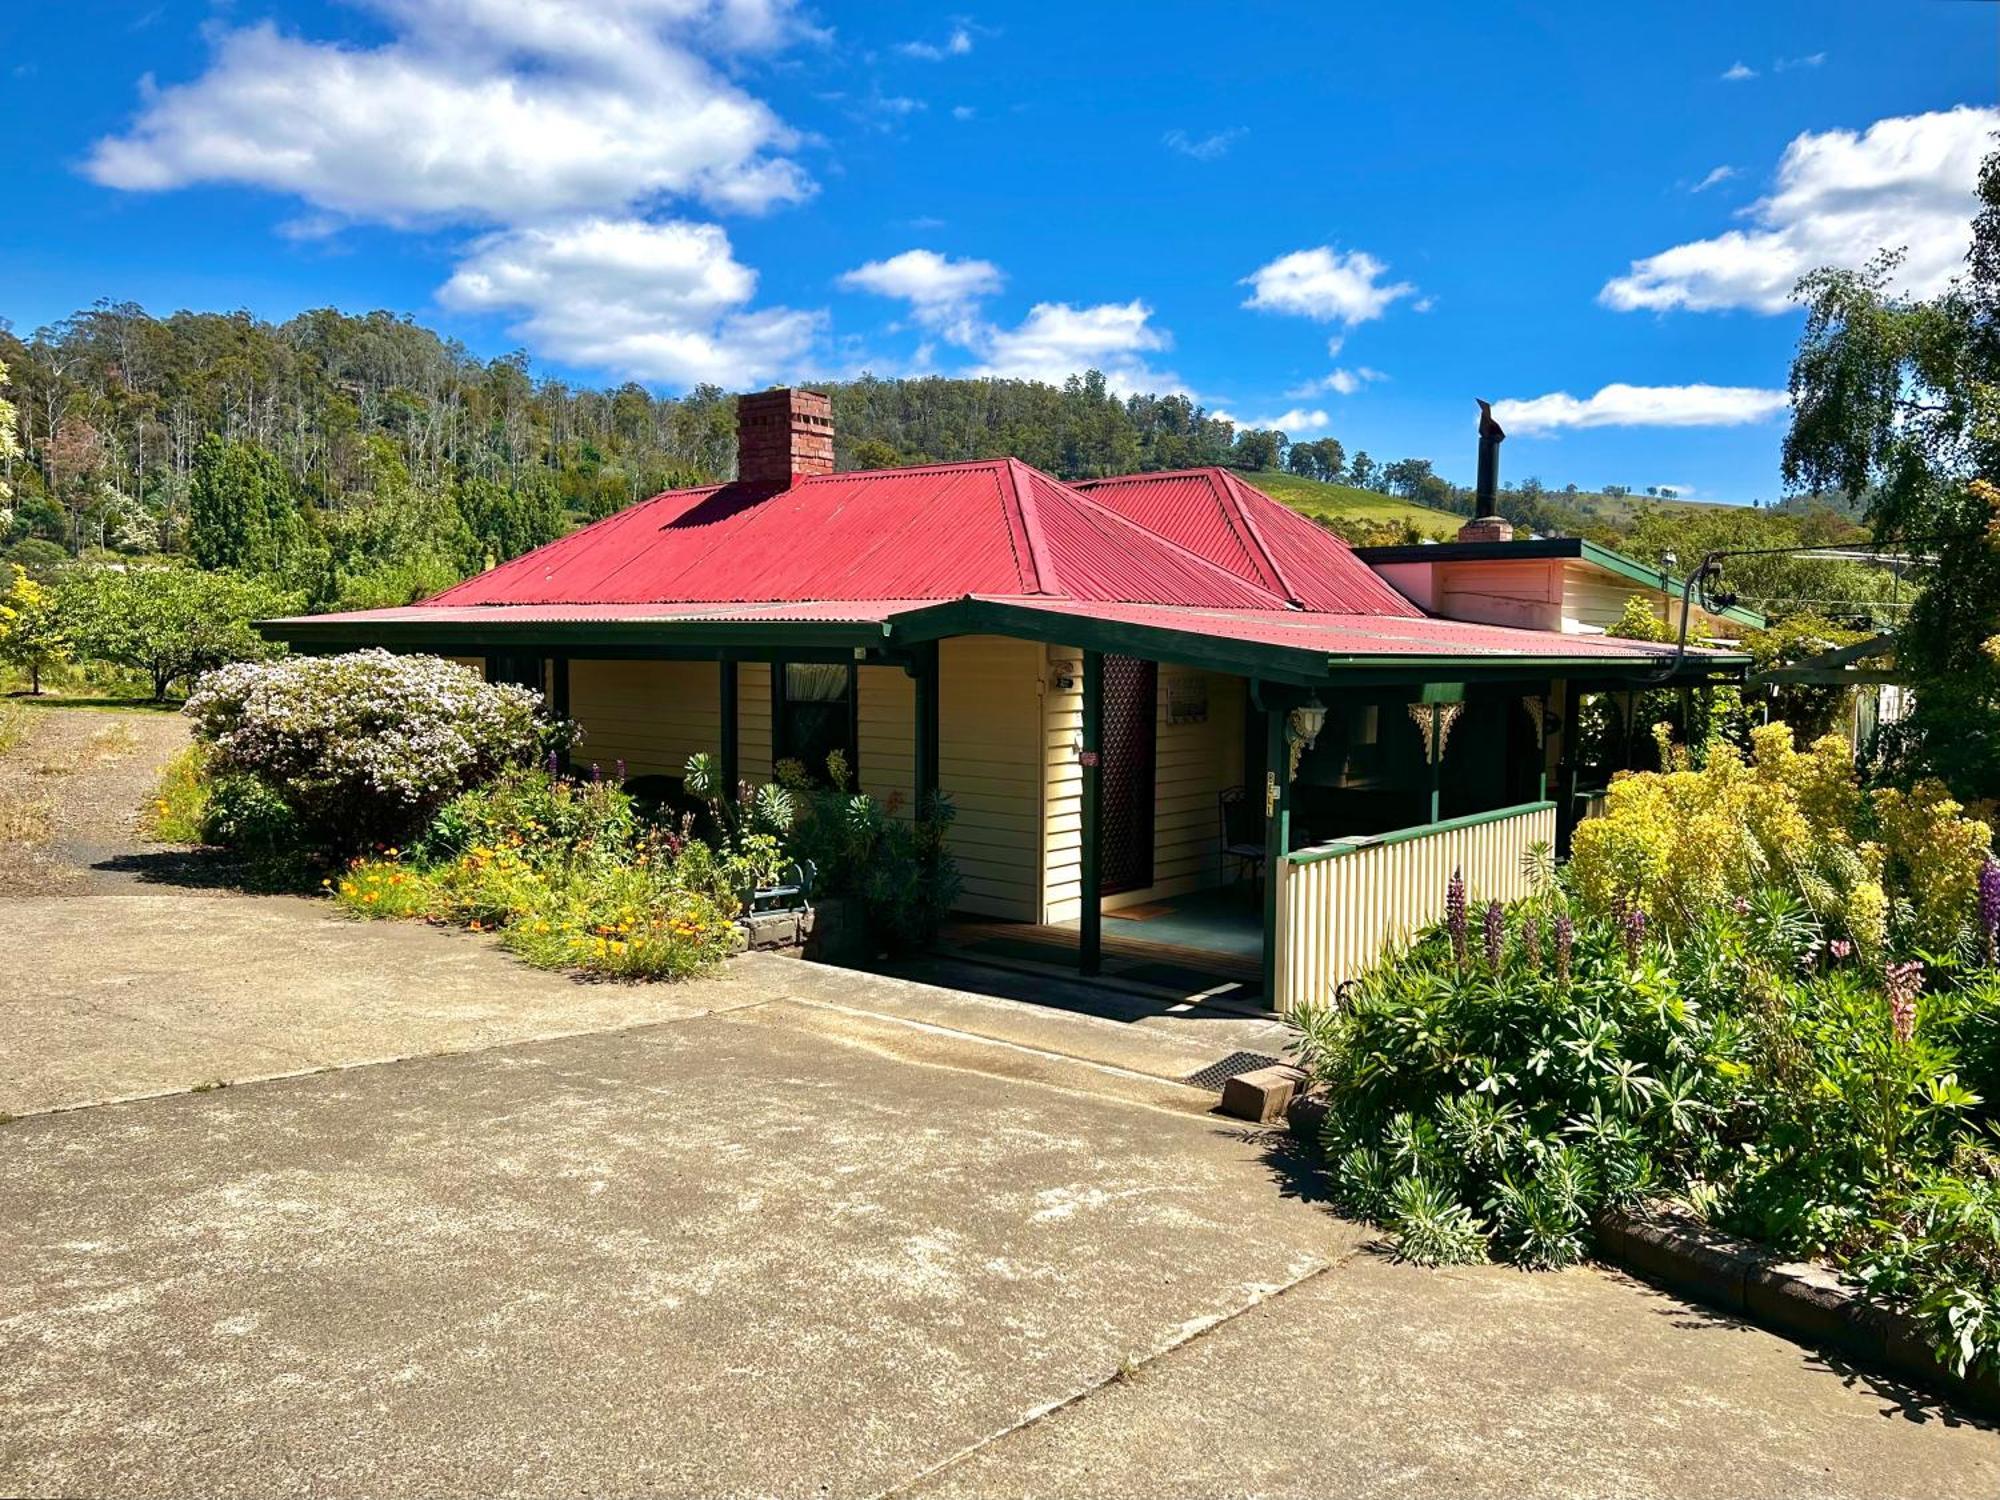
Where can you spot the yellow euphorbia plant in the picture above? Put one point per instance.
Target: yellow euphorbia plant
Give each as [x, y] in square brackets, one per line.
[1681, 841]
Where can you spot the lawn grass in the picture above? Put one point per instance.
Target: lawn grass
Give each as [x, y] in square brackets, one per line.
[115, 705]
[1313, 497]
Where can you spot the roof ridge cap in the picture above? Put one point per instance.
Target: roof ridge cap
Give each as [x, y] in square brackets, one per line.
[1234, 488]
[1202, 563]
[1022, 513]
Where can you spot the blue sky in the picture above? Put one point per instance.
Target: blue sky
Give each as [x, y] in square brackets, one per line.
[1355, 218]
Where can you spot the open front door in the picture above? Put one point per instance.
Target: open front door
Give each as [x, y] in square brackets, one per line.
[1131, 697]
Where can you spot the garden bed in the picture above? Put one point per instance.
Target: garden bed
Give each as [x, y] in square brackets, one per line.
[1757, 993]
[423, 792]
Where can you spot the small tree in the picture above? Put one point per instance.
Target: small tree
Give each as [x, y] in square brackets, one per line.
[32, 636]
[170, 623]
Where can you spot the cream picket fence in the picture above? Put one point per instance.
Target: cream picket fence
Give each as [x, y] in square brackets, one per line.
[1341, 905]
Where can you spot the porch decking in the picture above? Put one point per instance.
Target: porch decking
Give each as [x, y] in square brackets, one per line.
[1207, 945]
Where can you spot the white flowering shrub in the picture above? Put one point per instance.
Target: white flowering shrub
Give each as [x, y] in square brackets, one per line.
[367, 746]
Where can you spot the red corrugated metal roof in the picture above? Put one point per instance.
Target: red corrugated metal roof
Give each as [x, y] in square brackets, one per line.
[435, 612]
[1232, 523]
[1343, 634]
[936, 532]
[1198, 551]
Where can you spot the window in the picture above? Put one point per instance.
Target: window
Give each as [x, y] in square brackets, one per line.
[816, 716]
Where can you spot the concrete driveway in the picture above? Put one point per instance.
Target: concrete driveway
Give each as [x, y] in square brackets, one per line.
[798, 1232]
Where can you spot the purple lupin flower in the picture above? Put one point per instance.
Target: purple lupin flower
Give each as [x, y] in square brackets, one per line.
[621, 770]
[554, 764]
[1531, 941]
[1565, 941]
[1904, 982]
[596, 773]
[1632, 923]
[1454, 913]
[1495, 933]
[1840, 948]
[1989, 909]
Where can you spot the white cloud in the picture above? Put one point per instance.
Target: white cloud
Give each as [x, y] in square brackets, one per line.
[1642, 406]
[1739, 72]
[1292, 423]
[942, 292]
[963, 111]
[1840, 197]
[653, 301]
[480, 111]
[1788, 64]
[1324, 284]
[1716, 176]
[1341, 382]
[1205, 148]
[956, 45]
[1334, 345]
[1057, 340]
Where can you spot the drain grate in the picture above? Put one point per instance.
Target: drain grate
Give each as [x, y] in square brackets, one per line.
[1216, 1074]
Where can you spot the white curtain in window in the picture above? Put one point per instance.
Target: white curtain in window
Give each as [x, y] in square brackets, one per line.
[815, 682]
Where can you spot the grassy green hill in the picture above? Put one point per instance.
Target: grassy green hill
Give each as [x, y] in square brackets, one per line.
[1619, 510]
[1340, 502]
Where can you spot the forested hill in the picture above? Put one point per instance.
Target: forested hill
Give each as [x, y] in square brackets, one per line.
[366, 460]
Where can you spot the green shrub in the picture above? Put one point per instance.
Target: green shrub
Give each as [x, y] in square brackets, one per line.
[1510, 1073]
[549, 819]
[365, 748]
[565, 874]
[245, 815]
[900, 869]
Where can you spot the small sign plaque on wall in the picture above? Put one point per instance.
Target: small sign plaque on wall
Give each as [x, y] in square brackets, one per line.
[1086, 757]
[1187, 700]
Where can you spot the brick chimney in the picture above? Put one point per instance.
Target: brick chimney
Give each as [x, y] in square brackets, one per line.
[783, 436]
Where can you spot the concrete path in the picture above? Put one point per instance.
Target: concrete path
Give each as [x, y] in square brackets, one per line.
[799, 1232]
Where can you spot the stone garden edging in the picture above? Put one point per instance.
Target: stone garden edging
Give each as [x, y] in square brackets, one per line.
[1803, 1301]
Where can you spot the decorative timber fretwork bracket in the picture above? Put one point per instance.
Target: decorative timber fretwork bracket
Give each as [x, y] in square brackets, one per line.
[1434, 721]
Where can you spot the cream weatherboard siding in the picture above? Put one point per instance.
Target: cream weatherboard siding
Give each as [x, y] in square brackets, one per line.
[1337, 913]
[1062, 796]
[1594, 598]
[650, 714]
[886, 737]
[990, 765]
[753, 721]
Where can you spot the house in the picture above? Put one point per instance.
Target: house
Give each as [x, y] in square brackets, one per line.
[1570, 586]
[1134, 692]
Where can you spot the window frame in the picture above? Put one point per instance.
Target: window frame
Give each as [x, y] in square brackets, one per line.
[781, 721]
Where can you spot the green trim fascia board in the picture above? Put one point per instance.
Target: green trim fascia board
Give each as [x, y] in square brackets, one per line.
[1404, 835]
[755, 640]
[575, 635]
[1638, 572]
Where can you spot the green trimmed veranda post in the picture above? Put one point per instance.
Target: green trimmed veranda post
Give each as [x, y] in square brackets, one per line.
[1277, 792]
[732, 727]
